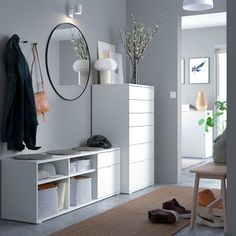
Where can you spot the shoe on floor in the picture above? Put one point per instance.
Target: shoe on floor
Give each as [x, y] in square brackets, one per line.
[173, 205]
[209, 222]
[163, 216]
[205, 197]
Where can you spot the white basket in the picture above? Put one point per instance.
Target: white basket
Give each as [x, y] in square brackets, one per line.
[80, 191]
[83, 165]
[72, 167]
[47, 202]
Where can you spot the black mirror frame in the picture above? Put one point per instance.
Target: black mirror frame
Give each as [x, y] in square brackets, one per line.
[46, 61]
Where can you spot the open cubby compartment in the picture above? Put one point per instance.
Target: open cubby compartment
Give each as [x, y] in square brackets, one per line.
[53, 200]
[82, 190]
[82, 165]
[57, 168]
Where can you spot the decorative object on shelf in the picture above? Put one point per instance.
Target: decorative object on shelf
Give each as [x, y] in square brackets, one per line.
[98, 141]
[82, 68]
[105, 67]
[197, 5]
[199, 70]
[219, 148]
[79, 46]
[201, 101]
[108, 51]
[135, 43]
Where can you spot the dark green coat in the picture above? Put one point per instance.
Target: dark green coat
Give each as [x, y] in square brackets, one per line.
[19, 118]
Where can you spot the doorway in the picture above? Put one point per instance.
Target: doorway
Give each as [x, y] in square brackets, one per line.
[201, 36]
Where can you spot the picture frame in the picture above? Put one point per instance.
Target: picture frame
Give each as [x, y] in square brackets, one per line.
[182, 71]
[199, 70]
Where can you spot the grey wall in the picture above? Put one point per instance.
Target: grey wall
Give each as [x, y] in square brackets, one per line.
[68, 123]
[160, 68]
[231, 129]
[201, 43]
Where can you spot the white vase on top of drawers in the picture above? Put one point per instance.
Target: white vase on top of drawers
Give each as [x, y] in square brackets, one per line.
[124, 113]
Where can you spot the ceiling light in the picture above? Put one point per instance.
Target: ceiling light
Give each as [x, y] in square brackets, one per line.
[78, 9]
[197, 5]
[74, 10]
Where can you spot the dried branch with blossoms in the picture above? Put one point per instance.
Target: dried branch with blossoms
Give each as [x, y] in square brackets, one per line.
[80, 48]
[136, 41]
[79, 45]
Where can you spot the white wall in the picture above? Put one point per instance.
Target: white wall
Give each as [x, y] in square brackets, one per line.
[201, 43]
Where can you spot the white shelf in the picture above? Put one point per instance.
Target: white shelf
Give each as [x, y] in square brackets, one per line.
[52, 179]
[83, 173]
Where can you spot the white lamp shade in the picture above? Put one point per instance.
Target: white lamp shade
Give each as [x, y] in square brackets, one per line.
[197, 5]
[81, 65]
[105, 64]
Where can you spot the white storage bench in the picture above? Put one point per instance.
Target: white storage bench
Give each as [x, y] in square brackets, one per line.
[97, 177]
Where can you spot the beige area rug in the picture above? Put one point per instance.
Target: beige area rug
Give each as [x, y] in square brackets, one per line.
[131, 218]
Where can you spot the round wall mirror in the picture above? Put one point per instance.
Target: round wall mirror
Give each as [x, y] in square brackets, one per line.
[68, 61]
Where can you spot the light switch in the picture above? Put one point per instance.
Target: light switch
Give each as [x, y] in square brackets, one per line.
[172, 94]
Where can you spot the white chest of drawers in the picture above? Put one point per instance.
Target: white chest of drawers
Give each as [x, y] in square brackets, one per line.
[125, 115]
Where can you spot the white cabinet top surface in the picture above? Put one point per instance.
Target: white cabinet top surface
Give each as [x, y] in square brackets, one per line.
[198, 111]
[135, 85]
[63, 157]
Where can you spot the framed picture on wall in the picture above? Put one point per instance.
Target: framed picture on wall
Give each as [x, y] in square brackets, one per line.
[199, 70]
[182, 71]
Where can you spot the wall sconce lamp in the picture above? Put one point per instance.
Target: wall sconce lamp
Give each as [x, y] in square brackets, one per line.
[74, 10]
[197, 5]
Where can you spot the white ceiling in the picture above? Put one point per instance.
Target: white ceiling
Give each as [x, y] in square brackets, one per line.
[204, 20]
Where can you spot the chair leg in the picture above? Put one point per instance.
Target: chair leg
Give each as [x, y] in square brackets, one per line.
[194, 208]
[223, 191]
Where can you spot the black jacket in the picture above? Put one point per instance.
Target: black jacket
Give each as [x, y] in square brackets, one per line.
[19, 118]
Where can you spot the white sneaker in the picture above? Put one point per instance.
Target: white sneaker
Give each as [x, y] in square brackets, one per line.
[209, 222]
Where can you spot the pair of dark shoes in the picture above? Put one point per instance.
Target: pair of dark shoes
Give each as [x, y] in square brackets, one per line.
[170, 213]
[173, 205]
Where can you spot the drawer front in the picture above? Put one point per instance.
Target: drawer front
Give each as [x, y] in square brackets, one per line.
[138, 106]
[140, 152]
[141, 119]
[141, 93]
[147, 93]
[141, 174]
[135, 92]
[108, 159]
[108, 180]
[142, 134]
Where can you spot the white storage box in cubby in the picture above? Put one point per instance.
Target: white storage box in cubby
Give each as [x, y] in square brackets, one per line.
[83, 165]
[72, 167]
[80, 190]
[47, 202]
